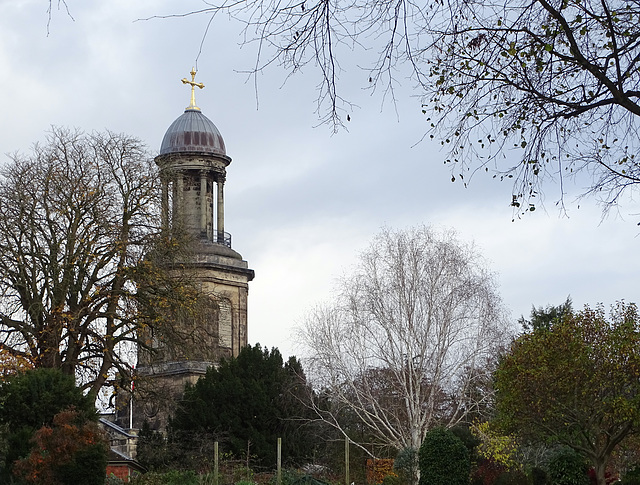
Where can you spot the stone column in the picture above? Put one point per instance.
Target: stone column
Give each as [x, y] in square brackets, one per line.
[203, 203]
[220, 210]
[179, 198]
[165, 203]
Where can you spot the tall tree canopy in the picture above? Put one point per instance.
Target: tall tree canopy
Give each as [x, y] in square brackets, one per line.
[533, 90]
[248, 403]
[77, 216]
[577, 383]
[407, 343]
[543, 318]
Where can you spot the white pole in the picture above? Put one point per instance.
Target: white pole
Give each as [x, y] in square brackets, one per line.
[131, 402]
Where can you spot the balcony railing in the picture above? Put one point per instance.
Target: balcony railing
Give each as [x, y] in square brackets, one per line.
[223, 238]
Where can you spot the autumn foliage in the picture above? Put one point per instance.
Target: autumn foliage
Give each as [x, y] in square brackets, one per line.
[577, 383]
[30, 401]
[378, 469]
[494, 447]
[68, 452]
[11, 364]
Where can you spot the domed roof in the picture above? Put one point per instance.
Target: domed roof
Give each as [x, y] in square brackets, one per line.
[193, 132]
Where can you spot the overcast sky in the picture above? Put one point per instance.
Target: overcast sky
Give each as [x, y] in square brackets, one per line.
[300, 202]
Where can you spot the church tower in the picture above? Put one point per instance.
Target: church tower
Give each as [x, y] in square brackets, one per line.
[193, 163]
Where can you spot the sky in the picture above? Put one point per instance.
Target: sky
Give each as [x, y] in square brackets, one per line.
[300, 201]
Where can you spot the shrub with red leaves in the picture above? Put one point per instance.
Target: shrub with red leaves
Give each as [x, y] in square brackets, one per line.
[486, 472]
[608, 476]
[69, 452]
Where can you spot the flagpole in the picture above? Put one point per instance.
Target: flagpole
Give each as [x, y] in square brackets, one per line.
[131, 401]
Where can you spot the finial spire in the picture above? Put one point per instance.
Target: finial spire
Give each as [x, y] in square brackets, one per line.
[193, 83]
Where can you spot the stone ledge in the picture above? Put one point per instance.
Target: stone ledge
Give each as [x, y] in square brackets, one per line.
[175, 368]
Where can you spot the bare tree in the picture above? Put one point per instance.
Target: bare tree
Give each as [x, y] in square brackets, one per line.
[410, 334]
[542, 89]
[77, 216]
[532, 91]
[57, 5]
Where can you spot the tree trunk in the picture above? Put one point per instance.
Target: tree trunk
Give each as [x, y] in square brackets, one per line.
[600, 469]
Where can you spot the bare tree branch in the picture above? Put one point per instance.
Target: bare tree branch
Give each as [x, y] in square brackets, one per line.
[531, 90]
[79, 218]
[408, 340]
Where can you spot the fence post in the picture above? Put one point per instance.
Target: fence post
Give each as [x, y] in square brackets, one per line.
[215, 463]
[279, 475]
[346, 460]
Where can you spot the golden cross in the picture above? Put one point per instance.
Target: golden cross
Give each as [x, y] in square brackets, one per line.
[193, 83]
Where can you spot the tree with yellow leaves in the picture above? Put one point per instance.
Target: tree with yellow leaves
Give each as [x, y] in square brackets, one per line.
[495, 446]
[576, 383]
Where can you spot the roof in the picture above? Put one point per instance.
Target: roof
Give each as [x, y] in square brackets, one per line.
[115, 428]
[193, 132]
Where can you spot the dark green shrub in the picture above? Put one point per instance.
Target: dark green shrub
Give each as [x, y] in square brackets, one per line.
[32, 399]
[113, 480]
[29, 401]
[153, 451]
[567, 467]
[392, 480]
[173, 477]
[632, 477]
[72, 451]
[463, 432]
[87, 467]
[444, 459]
[289, 477]
[513, 477]
[538, 476]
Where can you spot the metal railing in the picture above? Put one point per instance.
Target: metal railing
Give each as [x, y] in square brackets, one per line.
[223, 238]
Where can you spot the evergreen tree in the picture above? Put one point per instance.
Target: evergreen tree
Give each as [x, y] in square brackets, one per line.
[543, 318]
[247, 403]
[444, 459]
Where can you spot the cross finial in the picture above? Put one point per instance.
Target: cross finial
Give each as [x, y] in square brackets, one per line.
[193, 83]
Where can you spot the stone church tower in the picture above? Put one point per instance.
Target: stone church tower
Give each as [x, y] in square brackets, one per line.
[193, 162]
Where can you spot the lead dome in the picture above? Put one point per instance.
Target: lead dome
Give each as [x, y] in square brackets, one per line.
[193, 132]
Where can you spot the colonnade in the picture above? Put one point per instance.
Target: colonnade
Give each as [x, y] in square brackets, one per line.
[188, 197]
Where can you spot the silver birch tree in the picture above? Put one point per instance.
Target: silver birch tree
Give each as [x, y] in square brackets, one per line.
[408, 342]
